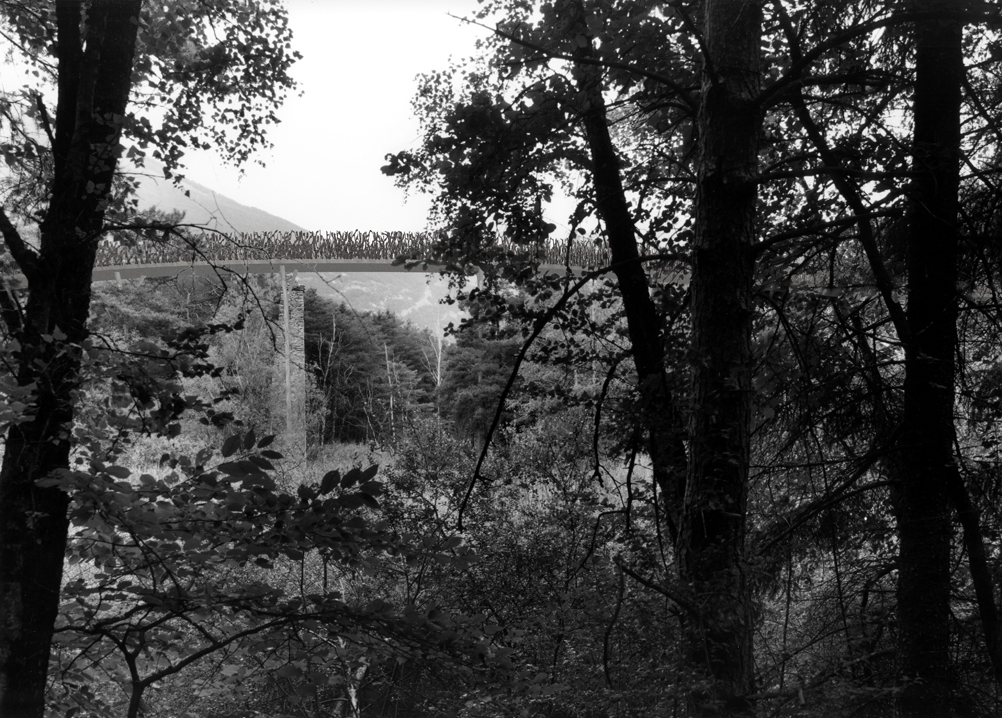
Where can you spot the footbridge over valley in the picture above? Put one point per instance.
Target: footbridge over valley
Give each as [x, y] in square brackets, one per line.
[273, 252]
[159, 252]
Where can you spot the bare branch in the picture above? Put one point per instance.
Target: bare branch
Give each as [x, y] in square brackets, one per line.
[540, 324]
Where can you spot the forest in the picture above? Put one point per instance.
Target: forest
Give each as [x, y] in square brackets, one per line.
[746, 465]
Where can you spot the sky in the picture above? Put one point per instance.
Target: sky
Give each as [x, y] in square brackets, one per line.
[357, 76]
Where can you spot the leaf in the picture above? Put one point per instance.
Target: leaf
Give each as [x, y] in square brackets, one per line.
[351, 478]
[373, 488]
[238, 469]
[266, 441]
[261, 463]
[231, 445]
[352, 501]
[119, 472]
[307, 690]
[369, 501]
[249, 440]
[329, 482]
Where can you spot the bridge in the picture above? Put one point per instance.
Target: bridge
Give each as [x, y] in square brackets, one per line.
[206, 253]
[301, 251]
[269, 252]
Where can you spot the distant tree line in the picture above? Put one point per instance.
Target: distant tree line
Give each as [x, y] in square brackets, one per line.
[374, 375]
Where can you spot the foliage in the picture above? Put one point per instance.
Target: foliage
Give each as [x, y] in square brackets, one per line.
[372, 372]
[206, 559]
[577, 587]
[625, 107]
[104, 79]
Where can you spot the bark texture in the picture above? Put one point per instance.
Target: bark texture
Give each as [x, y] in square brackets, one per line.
[718, 641]
[93, 88]
[926, 459]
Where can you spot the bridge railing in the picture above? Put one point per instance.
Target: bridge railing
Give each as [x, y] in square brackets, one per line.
[372, 246]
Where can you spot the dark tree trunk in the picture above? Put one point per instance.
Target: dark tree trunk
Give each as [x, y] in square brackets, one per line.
[926, 458]
[718, 642]
[660, 419]
[93, 86]
[981, 574]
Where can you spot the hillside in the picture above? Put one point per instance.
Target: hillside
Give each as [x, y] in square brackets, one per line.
[206, 207]
[412, 297]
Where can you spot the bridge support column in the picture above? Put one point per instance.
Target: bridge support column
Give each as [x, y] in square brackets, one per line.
[295, 363]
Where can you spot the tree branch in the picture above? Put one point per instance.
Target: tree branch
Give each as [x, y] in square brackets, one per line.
[538, 327]
[682, 92]
[977, 559]
[787, 525]
[669, 593]
[26, 258]
[794, 75]
[850, 192]
[10, 310]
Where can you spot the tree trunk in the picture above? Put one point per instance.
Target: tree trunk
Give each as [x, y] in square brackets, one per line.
[93, 86]
[981, 575]
[661, 420]
[926, 457]
[717, 647]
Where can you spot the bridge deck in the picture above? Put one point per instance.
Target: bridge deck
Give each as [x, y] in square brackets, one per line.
[260, 266]
[267, 252]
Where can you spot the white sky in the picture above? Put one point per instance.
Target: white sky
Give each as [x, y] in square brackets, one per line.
[357, 75]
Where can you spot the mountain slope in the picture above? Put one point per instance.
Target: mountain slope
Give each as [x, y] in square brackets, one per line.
[203, 206]
[412, 297]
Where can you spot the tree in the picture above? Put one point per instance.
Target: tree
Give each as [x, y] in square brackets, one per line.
[547, 537]
[928, 432]
[708, 525]
[370, 371]
[711, 551]
[921, 422]
[775, 163]
[193, 580]
[476, 370]
[96, 56]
